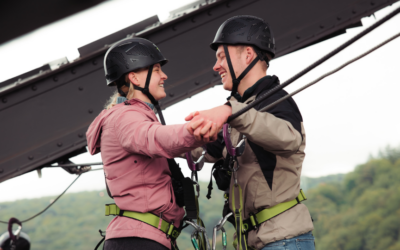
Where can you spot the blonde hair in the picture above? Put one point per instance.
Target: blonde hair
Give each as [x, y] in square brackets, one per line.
[112, 101]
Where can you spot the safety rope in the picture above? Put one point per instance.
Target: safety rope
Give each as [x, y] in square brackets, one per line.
[329, 73]
[312, 66]
[36, 215]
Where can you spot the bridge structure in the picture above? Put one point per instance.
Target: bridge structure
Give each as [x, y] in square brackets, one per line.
[45, 112]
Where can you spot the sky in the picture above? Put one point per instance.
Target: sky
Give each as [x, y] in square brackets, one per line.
[348, 116]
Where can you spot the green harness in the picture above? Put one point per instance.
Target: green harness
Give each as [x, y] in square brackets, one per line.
[254, 220]
[153, 220]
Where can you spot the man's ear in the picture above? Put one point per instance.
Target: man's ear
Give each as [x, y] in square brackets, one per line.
[133, 78]
[250, 54]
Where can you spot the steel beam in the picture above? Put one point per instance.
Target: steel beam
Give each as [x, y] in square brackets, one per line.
[44, 117]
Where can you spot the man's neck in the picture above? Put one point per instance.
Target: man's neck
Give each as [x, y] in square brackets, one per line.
[249, 80]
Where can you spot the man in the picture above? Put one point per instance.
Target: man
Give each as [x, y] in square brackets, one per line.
[264, 191]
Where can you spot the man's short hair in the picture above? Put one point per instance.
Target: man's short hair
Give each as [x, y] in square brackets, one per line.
[240, 48]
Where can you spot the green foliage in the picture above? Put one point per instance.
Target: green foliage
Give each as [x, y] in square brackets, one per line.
[363, 211]
[356, 211]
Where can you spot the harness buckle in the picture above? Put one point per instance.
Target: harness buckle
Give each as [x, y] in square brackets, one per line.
[253, 219]
[170, 229]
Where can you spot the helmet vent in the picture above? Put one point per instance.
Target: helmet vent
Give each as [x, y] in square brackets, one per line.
[139, 50]
[233, 27]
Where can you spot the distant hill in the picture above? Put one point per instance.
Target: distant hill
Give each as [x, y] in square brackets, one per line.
[308, 182]
[356, 211]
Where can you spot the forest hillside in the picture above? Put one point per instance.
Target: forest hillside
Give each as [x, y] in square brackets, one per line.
[356, 211]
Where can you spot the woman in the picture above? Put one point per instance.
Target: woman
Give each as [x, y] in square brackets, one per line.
[135, 146]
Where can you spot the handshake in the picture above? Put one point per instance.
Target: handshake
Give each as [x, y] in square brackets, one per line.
[205, 125]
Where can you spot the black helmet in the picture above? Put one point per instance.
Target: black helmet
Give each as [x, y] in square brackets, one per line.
[128, 55]
[245, 30]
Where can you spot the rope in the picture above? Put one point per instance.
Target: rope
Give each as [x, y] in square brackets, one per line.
[329, 73]
[312, 66]
[36, 215]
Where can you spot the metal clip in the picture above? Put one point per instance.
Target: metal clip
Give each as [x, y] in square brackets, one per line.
[220, 226]
[196, 165]
[199, 229]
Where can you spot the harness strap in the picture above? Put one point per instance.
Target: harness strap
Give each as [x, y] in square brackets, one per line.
[256, 219]
[190, 199]
[153, 220]
[237, 207]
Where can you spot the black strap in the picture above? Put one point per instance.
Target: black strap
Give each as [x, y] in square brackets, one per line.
[120, 84]
[210, 184]
[190, 199]
[101, 241]
[176, 171]
[108, 190]
[236, 81]
[146, 90]
[160, 113]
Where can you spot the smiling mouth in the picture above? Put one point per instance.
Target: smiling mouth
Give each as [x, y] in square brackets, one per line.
[223, 75]
[161, 85]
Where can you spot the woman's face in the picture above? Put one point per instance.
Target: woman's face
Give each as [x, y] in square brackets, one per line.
[156, 86]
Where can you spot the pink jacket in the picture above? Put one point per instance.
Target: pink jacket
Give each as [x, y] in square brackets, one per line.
[134, 147]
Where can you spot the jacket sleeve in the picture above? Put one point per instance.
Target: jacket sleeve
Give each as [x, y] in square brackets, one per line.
[138, 134]
[277, 131]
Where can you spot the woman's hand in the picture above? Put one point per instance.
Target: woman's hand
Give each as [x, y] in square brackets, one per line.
[218, 115]
[203, 130]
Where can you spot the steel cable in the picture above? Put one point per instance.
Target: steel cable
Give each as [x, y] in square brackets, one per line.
[315, 64]
[329, 73]
[34, 216]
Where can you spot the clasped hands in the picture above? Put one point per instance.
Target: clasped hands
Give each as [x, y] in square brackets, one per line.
[205, 125]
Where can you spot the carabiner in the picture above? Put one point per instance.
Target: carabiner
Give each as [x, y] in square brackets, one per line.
[196, 165]
[198, 229]
[220, 226]
[233, 151]
[14, 237]
[194, 241]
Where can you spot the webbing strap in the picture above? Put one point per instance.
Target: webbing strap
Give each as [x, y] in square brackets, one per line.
[189, 198]
[153, 220]
[237, 206]
[200, 235]
[255, 220]
[236, 81]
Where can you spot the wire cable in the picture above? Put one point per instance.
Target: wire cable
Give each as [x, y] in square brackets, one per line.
[329, 73]
[36, 215]
[315, 64]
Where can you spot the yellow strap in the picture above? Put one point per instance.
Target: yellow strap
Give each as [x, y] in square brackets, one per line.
[271, 212]
[148, 218]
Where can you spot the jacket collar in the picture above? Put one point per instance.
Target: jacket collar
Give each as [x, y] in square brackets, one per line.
[265, 83]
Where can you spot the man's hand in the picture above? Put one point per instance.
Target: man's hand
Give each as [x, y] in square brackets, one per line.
[202, 130]
[218, 115]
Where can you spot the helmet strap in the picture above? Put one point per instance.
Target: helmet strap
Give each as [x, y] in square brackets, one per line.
[120, 84]
[146, 91]
[236, 81]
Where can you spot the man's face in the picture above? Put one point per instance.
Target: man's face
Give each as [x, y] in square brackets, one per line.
[221, 66]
